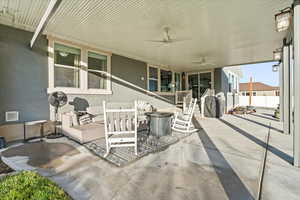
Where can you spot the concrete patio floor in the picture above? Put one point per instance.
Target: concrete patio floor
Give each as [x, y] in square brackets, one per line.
[222, 161]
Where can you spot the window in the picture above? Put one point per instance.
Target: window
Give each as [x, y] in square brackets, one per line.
[165, 81]
[66, 66]
[277, 93]
[97, 66]
[76, 69]
[254, 94]
[153, 79]
[232, 82]
[230, 85]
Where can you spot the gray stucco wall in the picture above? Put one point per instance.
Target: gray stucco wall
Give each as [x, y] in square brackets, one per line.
[24, 79]
[218, 80]
[23, 75]
[130, 70]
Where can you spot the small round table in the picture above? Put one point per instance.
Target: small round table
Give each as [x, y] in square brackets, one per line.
[159, 123]
[41, 123]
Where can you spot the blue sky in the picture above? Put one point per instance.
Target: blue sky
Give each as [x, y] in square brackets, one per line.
[261, 72]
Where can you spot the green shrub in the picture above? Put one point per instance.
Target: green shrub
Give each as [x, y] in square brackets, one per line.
[29, 185]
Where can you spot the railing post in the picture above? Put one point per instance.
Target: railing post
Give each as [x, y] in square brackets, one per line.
[297, 82]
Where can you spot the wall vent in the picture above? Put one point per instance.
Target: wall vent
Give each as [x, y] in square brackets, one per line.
[12, 116]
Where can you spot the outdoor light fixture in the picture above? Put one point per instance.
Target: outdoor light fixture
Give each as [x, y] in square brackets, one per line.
[275, 68]
[283, 19]
[277, 54]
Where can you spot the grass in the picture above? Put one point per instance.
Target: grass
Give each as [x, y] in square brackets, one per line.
[28, 185]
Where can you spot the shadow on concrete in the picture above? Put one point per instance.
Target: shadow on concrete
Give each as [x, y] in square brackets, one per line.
[284, 156]
[42, 154]
[233, 186]
[259, 123]
[267, 114]
[261, 116]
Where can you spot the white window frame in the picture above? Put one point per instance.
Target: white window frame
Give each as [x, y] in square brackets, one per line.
[212, 71]
[108, 81]
[159, 68]
[83, 77]
[158, 78]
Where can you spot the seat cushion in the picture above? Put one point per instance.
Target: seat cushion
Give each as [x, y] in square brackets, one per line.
[87, 127]
[86, 133]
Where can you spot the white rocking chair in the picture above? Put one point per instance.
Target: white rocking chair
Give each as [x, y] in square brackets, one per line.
[183, 121]
[120, 127]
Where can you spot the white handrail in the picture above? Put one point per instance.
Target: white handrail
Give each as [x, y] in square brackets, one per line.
[137, 87]
[182, 94]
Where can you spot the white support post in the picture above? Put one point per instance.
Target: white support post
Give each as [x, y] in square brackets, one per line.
[291, 89]
[281, 92]
[286, 88]
[297, 82]
[53, 5]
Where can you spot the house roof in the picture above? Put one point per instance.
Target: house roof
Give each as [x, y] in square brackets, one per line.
[257, 86]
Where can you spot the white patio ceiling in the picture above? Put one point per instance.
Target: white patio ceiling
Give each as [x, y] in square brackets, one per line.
[226, 32]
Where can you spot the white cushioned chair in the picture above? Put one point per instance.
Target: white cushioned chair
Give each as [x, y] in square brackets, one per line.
[81, 133]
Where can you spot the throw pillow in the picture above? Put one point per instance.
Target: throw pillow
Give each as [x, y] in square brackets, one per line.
[85, 119]
[74, 118]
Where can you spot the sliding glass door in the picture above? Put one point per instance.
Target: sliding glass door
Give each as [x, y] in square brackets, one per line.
[205, 82]
[193, 84]
[199, 82]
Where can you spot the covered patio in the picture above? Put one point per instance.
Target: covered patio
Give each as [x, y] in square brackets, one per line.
[149, 51]
[224, 160]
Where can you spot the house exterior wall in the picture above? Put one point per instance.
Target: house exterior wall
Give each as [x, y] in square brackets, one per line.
[24, 79]
[23, 75]
[222, 85]
[133, 71]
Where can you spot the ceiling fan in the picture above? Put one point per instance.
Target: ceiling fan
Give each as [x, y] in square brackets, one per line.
[203, 62]
[167, 39]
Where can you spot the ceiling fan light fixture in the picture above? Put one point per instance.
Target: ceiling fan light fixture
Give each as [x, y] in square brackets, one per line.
[63, 54]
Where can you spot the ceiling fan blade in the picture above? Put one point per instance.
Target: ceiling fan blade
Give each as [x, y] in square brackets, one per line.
[208, 64]
[180, 39]
[159, 41]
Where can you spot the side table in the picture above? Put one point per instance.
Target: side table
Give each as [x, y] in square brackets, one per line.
[41, 123]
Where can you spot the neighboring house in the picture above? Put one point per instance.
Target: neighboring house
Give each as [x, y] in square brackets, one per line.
[229, 84]
[258, 89]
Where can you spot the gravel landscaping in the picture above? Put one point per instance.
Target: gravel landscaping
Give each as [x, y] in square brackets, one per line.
[4, 169]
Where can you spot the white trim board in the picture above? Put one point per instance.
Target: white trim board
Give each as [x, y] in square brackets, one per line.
[83, 89]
